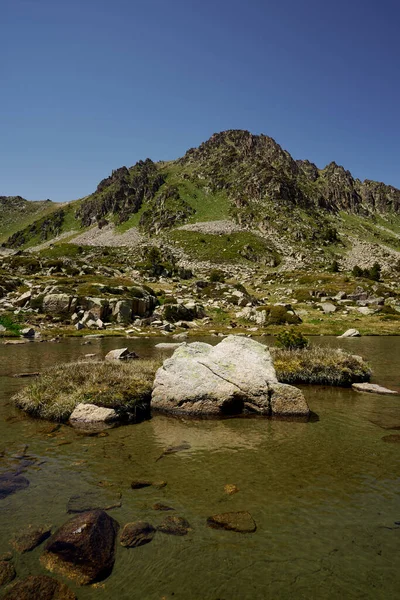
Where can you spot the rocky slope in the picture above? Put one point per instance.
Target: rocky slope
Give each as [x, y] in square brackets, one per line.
[275, 210]
[16, 213]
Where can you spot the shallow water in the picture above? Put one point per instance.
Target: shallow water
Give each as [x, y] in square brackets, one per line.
[324, 494]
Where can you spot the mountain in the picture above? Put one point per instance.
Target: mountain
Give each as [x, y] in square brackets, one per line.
[17, 213]
[282, 207]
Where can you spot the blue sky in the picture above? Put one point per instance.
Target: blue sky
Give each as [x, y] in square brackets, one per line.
[91, 85]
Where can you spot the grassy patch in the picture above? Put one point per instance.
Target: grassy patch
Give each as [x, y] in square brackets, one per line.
[234, 247]
[119, 385]
[323, 366]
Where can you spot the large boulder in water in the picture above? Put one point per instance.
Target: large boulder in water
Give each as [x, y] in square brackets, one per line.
[236, 376]
[83, 548]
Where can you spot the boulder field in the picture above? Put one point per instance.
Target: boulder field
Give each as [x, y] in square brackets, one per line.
[237, 376]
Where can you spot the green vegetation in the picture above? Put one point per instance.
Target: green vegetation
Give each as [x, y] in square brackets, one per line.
[291, 340]
[373, 273]
[217, 276]
[233, 247]
[322, 366]
[13, 328]
[16, 213]
[123, 386]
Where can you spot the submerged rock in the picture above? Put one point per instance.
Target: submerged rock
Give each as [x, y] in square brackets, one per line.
[372, 388]
[241, 522]
[93, 500]
[30, 538]
[91, 414]
[236, 376]
[174, 450]
[11, 483]
[162, 507]
[138, 484]
[83, 548]
[392, 439]
[174, 526]
[7, 572]
[39, 587]
[137, 534]
[230, 489]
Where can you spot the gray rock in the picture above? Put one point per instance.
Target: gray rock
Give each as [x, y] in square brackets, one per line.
[328, 307]
[364, 310]
[372, 388]
[23, 299]
[28, 332]
[350, 333]
[120, 354]
[58, 303]
[236, 376]
[174, 526]
[90, 413]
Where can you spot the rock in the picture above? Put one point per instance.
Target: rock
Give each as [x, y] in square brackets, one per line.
[11, 483]
[83, 548]
[28, 332]
[372, 388]
[364, 310]
[79, 326]
[235, 376]
[241, 522]
[39, 587]
[392, 439]
[340, 296]
[174, 450]
[90, 413]
[33, 374]
[30, 538]
[328, 307]
[162, 507]
[2, 329]
[287, 400]
[7, 572]
[93, 500]
[350, 333]
[56, 304]
[230, 489]
[23, 299]
[122, 311]
[179, 312]
[120, 354]
[167, 346]
[138, 484]
[137, 534]
[174, 526]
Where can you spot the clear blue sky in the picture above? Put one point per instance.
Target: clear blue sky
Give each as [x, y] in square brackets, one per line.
[90, 85]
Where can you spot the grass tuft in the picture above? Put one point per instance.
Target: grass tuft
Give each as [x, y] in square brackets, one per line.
[322, 366]
[124, 386]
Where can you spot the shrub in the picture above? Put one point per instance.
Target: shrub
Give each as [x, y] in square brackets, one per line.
[217, 276]
[373, 273]
[334, 268]
[11, 326]
[357, 271]
[291, 340]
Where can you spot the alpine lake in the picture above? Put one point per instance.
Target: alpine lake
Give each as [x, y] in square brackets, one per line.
[324, 493]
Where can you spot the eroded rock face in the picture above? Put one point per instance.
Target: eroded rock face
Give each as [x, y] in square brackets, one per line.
[234, 377]
[58, 304]
[83, 548]
[41, 587]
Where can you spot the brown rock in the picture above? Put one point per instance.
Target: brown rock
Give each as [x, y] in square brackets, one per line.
[392, 439]
[174, 526]
[30, 538]
[137, 534]
[161, 506]
[241, 521]
[230, 488]
[7, 572]
[83, 548]
[138, 484]
[39, 587]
